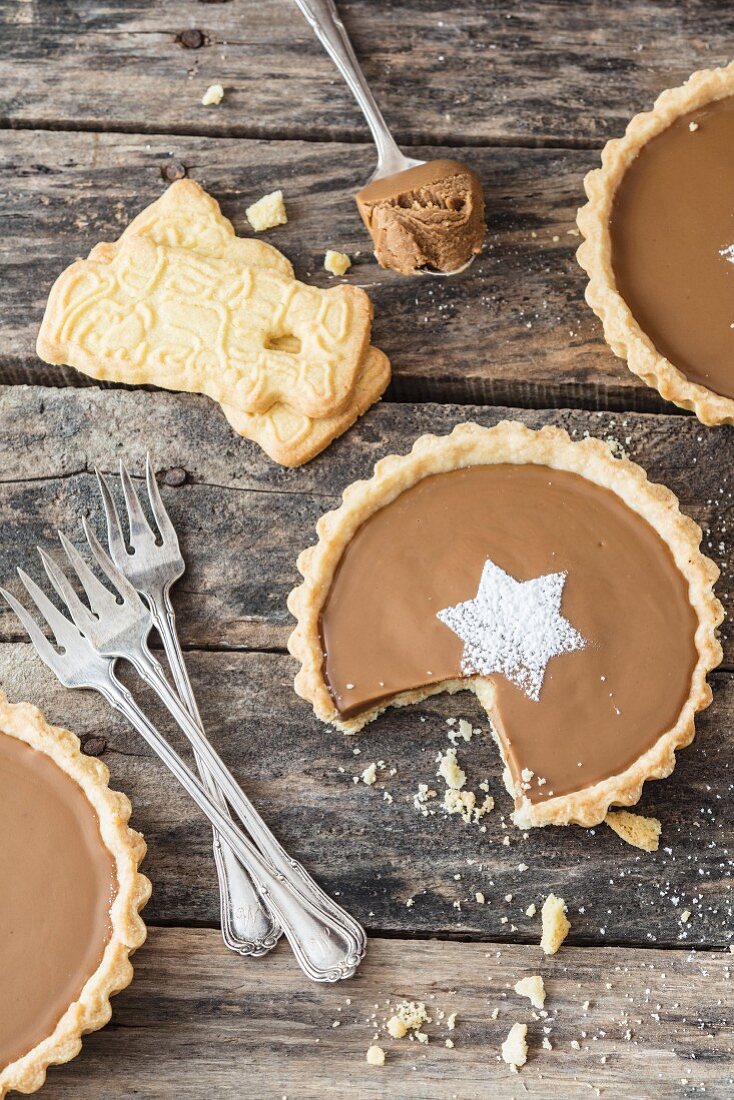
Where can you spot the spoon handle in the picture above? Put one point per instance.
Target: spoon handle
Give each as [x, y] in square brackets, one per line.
[331, 33]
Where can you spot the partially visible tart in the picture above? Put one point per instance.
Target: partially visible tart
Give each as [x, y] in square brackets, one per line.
[70, 898]
[659, 245]
[545, 575]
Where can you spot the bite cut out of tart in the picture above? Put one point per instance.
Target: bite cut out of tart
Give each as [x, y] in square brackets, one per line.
[659, 245]
[70, 899]
[550, 578]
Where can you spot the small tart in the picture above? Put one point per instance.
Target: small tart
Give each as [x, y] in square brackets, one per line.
[659, 245]
[70, 900]
[613, 593]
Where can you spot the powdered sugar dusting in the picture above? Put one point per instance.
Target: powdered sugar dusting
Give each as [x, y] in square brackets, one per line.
[513, 627]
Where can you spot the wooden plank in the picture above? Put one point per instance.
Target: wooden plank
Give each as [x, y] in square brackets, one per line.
[513, 330]
[551, 72]
[197, 1021]
[243, 520]
[378, 855]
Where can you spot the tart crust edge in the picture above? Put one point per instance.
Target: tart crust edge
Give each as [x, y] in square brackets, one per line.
[621, 331]
[92, 1010]
[509, 441]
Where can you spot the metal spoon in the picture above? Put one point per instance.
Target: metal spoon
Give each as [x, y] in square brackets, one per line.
[324, 20]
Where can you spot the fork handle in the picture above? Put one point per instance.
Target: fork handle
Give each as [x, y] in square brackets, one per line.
[248, 927]
[325, 951]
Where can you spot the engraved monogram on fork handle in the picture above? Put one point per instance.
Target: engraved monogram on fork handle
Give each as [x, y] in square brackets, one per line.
[154, 565]
[327, 942]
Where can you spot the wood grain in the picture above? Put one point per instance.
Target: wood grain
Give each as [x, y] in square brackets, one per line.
[198, 1022]
[377, 855]
[514, 329]
[243, 520]
[549, 72]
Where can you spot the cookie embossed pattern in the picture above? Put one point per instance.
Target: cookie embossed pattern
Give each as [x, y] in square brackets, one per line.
[635, 582]
[182, 302]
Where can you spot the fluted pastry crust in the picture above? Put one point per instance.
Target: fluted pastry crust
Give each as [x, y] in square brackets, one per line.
[511, 442]
[621, 330]
[92, 1010]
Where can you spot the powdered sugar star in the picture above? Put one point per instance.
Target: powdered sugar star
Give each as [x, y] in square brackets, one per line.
[513, 627]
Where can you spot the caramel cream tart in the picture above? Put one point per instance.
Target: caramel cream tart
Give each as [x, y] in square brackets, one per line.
[546, 576]
[659, 245]
[70, 896]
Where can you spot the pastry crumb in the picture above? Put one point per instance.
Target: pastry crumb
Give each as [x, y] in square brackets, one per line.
[336, 263]
[267, 212]
[685, 916]
[213, 96]
[459, 802]
[369, 775]
[532, 988]
[479, 898]
[515, 1047]
[409, 1016]
[531, 910]
[449, 1043]
[397, 1027]
[449, 770]
[556, 926]
[375, 1055]
[422, 797]
[693, 126]
[640, 832]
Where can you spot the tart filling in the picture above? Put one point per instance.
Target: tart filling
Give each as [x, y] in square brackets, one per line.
[70, 897]
[582, 615]
[659, 245]
[672, 232]
[59, 883]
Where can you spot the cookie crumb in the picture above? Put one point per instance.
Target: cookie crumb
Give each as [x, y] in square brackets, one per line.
[375, 1055]
[532, 988]
[515, 1047]
[267, 212]
[336, 263]
[213, 96]
[640, 832]
[555, 924]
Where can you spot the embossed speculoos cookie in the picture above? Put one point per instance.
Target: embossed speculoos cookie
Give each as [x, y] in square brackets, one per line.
[185, 216]
[184, 321]
[548, 577]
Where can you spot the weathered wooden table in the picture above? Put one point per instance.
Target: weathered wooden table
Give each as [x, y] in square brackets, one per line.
[100, 104]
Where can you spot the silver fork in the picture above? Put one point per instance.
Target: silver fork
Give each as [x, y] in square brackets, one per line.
[327, 942]
[152, 567]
